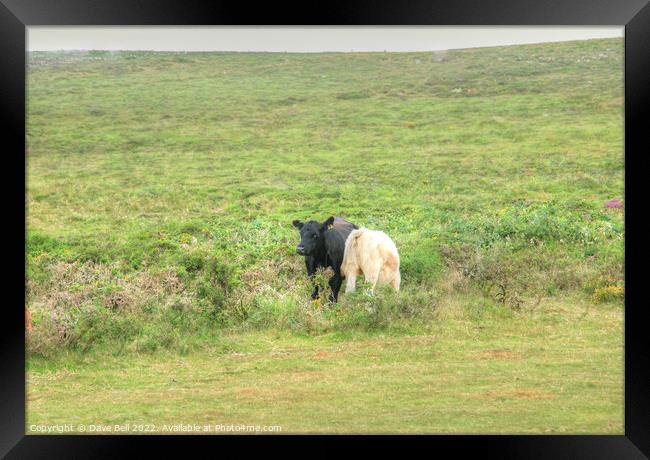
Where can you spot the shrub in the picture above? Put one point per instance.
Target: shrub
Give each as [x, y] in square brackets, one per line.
[608, 294]
[605, 277]
[79, 305]
[536, 250]
[420, 262]
[535, 223]
[382, 310]
[37, 244]
[193, 262]
[495, 270]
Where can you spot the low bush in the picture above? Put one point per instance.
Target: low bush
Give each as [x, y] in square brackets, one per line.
[83, 295]
[608, 294]
[536, 223]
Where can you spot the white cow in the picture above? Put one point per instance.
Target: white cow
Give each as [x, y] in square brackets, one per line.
[373, 254]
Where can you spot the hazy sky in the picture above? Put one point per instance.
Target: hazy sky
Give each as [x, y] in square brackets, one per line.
[302, 39]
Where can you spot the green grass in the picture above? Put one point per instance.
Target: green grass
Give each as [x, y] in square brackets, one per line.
[553, 372]
[160, 193]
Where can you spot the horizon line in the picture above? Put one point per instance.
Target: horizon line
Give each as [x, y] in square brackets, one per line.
[149, 50]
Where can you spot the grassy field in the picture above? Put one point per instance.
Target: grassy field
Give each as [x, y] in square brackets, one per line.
[161, 271]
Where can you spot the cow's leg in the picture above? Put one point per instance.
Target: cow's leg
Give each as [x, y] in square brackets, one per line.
[350, 281]
[374, 278]
[397, 279]
[335, 284]
[311, 270]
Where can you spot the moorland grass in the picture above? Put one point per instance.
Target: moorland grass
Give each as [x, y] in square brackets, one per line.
[161, 189]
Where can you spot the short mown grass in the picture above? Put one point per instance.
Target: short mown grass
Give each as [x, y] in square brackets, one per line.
[160, 193]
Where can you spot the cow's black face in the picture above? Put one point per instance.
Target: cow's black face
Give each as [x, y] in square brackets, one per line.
[311, 236]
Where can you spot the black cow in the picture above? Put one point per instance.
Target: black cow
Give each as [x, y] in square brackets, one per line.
[323, 246]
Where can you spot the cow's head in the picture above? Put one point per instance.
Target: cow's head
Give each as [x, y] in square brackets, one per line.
[311, 236]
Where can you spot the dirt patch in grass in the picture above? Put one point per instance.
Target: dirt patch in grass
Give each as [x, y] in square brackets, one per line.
[249, 392]
[519, 394]
[322, 354]
[496, 354]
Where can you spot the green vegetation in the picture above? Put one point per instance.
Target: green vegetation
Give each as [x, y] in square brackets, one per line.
[492, 375]
[160, 193]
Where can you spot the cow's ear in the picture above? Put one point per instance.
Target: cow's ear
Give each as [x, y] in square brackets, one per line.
[328, 223]
[297, 224]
